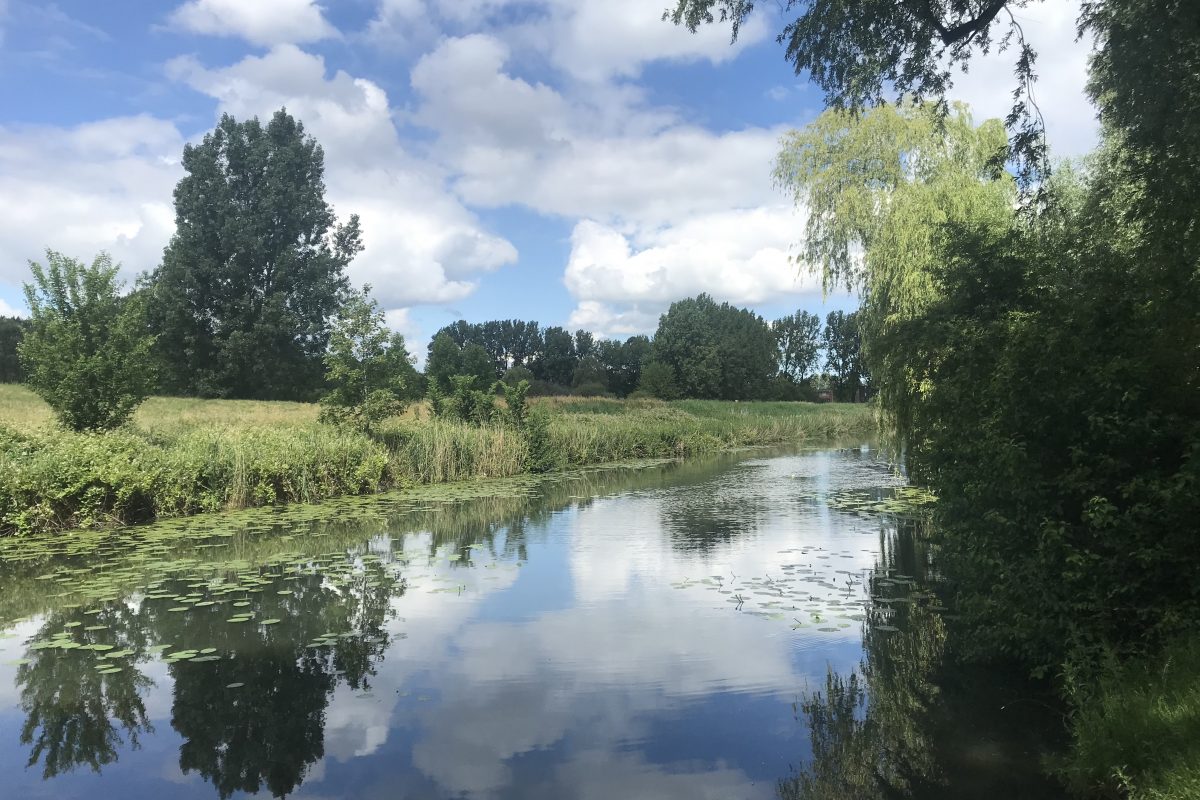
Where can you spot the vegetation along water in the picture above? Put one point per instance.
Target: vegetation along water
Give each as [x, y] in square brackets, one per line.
[756, 625]
[1007, 605]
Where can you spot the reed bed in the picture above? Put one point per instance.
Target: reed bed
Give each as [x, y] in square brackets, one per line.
[180, 457]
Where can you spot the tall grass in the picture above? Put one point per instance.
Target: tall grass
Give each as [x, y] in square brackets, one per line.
[1137, 734]
[181, 456]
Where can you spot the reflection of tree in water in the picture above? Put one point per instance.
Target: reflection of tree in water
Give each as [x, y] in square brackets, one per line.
[72, 711]
[714, 512]
[871, 731]
[264, 733]
[268, 731]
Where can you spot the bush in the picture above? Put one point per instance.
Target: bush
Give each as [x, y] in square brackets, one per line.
[85, 351]
[592, 390]
[515, 375]
[516, 403]
[367, 367]
[658, 380]
[464, 402]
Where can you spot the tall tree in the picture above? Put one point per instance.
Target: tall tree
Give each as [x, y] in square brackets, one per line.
[524, 342]
[86, 351]
[843, 355]
[884, 188]
[255, 271]
[557, 362]
[585, 344]
[623, 362]
[716, 351]
[12, 329]
[444, 360]
[861, 51]
[798, 337]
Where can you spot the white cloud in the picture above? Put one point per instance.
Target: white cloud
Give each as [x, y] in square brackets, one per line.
[622, 283]
[10, 311]
[1050, 28]
[399, 25]
[602, 154]
[422, 245]
[594, 40]
[668, 209]
[261, 22]
[100, 185]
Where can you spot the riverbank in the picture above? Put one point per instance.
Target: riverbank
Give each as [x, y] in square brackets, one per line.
[181, 456]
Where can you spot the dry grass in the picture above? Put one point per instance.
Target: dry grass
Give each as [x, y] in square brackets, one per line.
[21, 409]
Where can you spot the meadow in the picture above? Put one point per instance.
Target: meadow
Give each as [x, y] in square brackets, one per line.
[182, 456]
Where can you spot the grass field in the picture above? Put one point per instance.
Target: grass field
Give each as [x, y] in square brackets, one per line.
[184, 456]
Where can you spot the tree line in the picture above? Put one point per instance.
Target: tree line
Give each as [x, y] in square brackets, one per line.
[701, 349]
[252, 301]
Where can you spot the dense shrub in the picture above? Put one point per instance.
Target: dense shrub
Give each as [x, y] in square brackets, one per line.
[84, 350]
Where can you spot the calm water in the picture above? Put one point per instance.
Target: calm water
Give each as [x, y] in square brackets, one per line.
[748, 626]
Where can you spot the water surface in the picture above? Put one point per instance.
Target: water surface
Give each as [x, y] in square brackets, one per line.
[745, 626]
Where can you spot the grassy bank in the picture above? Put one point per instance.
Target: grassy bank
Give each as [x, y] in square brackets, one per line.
[182, 456]
[1137, 732]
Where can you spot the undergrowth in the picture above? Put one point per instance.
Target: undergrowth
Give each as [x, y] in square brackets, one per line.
[54, 479]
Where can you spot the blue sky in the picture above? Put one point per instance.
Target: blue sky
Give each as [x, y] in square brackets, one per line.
[578, 162]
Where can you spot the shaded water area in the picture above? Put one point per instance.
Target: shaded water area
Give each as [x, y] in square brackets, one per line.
[754, 625]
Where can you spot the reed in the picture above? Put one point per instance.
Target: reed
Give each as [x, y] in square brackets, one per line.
[180, 457]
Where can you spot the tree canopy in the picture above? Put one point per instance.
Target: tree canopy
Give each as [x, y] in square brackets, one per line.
[86, 351]
[255, 271]
[716, 351]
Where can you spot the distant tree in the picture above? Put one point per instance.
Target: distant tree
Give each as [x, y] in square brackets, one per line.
[11, 331]
[461, 332]
[585, 344]
[590, 373]
[255, 271]
[557, 361]
[514, 375]
[658, 380]
[843, 354]
[368, 368]
[477, 362]
[85, 352]
[623, 362]
[716, 351]
[798, 338]
[523, 341]
[444, 360]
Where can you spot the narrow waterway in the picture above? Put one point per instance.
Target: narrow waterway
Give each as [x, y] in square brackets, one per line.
[754, 625]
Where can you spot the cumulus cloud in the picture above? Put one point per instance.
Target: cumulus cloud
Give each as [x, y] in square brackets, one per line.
[97, 186]
[594, 40]
[622, 283]
[1050, 28]
[9, 311]
[261, 22]
[422, 245]
[668, 208]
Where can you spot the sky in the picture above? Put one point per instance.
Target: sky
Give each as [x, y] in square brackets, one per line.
[576, 162]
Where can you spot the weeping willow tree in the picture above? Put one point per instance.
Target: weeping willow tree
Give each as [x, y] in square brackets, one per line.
[880, 190]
